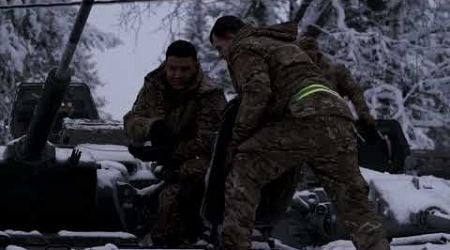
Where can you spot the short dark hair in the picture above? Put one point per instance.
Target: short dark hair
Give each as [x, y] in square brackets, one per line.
[224, 25]
[181, 48]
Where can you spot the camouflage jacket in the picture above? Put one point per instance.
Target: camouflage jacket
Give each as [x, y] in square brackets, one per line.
[268, 69]
[338, 74]
[192, 115]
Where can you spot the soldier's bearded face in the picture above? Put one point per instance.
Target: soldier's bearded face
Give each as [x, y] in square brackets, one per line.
[223, 44]
[180, 71]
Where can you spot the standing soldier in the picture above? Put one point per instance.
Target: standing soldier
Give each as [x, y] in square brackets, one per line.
[340, 77]
[289, 116]
[178, 98]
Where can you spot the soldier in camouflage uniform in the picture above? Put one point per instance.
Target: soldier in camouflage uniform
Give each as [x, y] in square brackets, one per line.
[289, 116]
[178, 95]
[340, 77]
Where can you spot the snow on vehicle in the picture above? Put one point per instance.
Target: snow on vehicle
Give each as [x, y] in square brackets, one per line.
[75, 182]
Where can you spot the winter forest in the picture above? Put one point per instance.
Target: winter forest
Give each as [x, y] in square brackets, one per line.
[397, 50]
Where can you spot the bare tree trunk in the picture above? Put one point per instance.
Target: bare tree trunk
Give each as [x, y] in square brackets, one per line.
[314, 29]
[377, 5]
[396, 16]
[301, 11]
[261, 12]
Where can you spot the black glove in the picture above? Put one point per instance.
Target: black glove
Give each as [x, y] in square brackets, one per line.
[368, 130]
[160, 135]
[168, 174]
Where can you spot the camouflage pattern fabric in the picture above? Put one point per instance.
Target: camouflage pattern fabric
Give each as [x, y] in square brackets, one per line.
[274, 134]
[339, 75]
[192, 115]
[279, 147]
[268, 69]
[179, 221]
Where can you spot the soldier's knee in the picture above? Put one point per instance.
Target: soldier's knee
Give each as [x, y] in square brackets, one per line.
[194, 170]
[235, 237]
[245, 164]
[170, 192]
[238, 179]
[359, 185]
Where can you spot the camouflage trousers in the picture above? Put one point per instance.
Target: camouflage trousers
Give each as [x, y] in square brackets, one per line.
[179, 220]
[328, 146]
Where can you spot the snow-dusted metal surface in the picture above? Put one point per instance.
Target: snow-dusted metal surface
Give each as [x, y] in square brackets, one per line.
[107, 152]
[13, 247]
[79, 131]
[409, 243]
[105, 247]
[97, 153]
[143, 173]
[407, 195]
[420, 242]
[22, 233]
[2, 151]
[109, 173]
[91, 153]
[89, 124]
[120, 235]
[62, 154]
[113, 247]
[438, 238]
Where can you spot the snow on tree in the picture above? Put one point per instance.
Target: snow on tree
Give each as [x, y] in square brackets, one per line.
[397, 50]
[192, 20]
[200, 16]
[32, 41]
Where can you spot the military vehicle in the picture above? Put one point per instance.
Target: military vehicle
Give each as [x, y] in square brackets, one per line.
[61, 176]
[409, 205]
[77, 120]
[67, 180]
[409, 194]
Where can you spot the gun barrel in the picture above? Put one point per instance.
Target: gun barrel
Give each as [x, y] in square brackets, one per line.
[54, 90]
[75, 35]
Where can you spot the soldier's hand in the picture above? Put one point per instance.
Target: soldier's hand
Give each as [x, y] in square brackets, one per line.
[367, 121]
[160, 134]
[136, 151]
[368, 127]
[167, 173]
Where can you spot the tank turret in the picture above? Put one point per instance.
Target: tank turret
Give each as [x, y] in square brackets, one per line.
[77, 104]
[39, 189]
[33, 146]
[66, 169]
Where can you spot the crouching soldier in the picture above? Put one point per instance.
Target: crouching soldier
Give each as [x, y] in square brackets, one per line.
[289, 116]
[182, 104]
